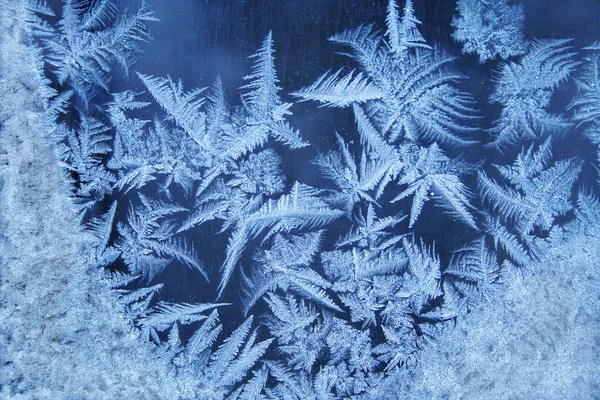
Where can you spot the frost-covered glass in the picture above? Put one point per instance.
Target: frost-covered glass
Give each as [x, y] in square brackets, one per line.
[208, 200]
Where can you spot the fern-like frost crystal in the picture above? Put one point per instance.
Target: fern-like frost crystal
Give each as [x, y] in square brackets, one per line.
[490, 29]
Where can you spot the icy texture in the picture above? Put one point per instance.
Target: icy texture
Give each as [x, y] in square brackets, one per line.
[393, 273]
[59, 333]
[491, 29]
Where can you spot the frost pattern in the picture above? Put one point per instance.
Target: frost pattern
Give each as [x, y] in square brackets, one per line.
[490, 29]
[525, 88]
[90, 40]
[327, 292]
